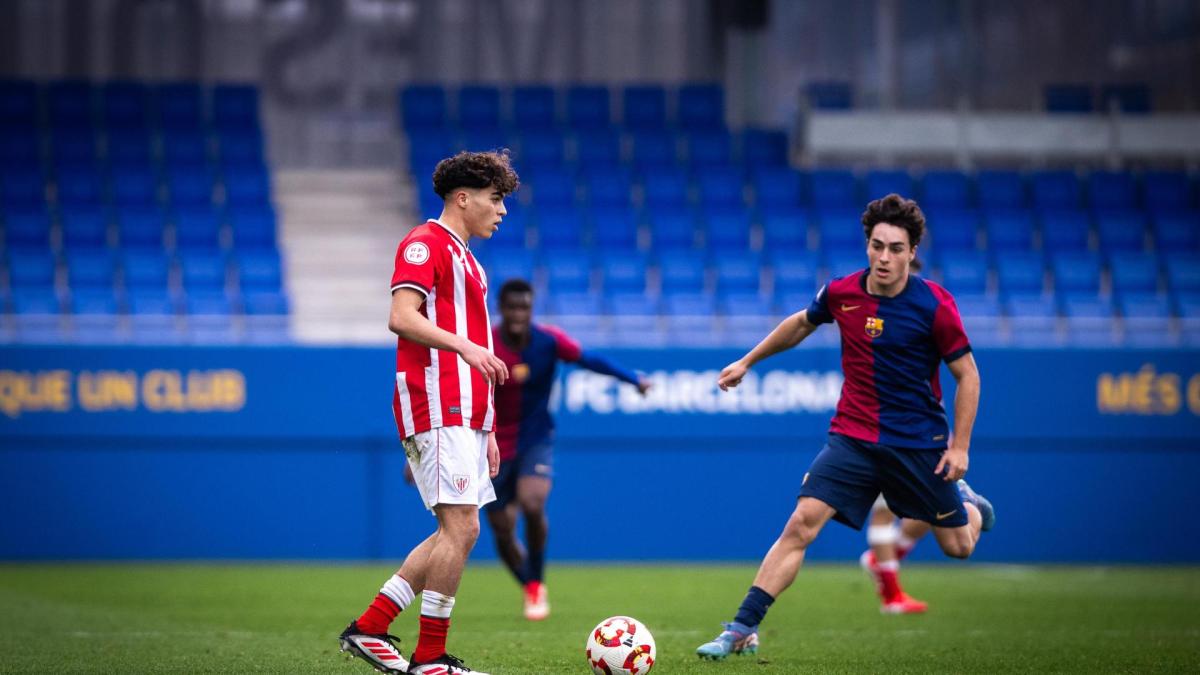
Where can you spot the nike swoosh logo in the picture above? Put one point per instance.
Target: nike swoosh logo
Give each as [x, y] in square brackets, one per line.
[850, 308]
[943, 516]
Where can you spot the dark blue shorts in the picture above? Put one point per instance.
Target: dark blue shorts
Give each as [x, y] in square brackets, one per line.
[849, 474]
[536, 460]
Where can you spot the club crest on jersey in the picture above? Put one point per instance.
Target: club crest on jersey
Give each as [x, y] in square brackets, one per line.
[520, 372]
[874, 326]
[461, 482]
[416, 253]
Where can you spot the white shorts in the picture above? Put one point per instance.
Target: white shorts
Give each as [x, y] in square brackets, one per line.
[450, 466]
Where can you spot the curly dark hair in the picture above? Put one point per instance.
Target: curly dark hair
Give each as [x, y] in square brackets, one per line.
[514, 286]
[475, 170]
[895, 210]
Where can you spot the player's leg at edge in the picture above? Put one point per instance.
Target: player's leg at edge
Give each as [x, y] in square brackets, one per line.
[889, 544]
[959, 542]
[775, 574]
[532, 492]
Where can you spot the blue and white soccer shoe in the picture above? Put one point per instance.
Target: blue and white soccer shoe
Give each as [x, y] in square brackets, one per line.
[735, 639]
[980, 502]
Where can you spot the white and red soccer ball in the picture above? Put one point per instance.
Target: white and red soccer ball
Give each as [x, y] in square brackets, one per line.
[620, 645]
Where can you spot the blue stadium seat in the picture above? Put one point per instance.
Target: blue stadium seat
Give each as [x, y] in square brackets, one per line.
[511, 265]
[682, 272]
[189, 148]
[1166, 191]
[574, 304]
[253, 227]
[18, 102]
[1020, 273]
[749, 317]
[265, 303]
[1055, 189]
[721, 187]
[654, 150]
[1089, 321]
[153, 317]
[795, 273]
[598, 148]
[483, 139]
[20, 150]
[710, 148]
[203, 271]
[950, 230]
[588, 107]
[266, 317]
[1183, 273]
[727, 231]
[1069, 98]
[247, 186]
[550, 188]
[945, 189]
[1147, 320]
[981, 313]
[31, 269]
[129, 147]
[145, 271]
[1034, 320]
[95, 315]
[91, 270]
[259, 271]
[1108, 190]
[881, 183]
[634, 317]
[534, 107]
[777, 189]
[1065, 230]
[644, 107]
[235, 106]
[134, 187]
[1133, 272]
[240, 147]
[764, 147]
[71, 103]
[74, 146]
[83, 228]
[36, 313]
[690, 318]
[785, 232]
[624, 274]
[179, 105]
[840, 264]
[1128, 98]
[568, 272]
[197, 228]
[560, 229]
[614, 230]
[125, 104]
[836, 188]
[422, 106]
[672, 231]
[1076, 273]
[1177, 231]
[701, 106]
[27, 228]
[737, 272]
[26, 189]
[1010, 230]
[141, 227]
[965, 272]
[608, 186]
[209, 317]
[829, 95]
[543, 150]
[190, 185]
[665, 188]
[1000, 190]
[841, 230]
[1121, 231]
[479, 107]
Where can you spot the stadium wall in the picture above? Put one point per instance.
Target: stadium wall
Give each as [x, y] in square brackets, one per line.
[290, 453]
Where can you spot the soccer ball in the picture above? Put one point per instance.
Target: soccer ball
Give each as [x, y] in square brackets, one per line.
[620, 646]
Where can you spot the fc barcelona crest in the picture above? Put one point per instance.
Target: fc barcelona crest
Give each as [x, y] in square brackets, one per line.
[874, 326]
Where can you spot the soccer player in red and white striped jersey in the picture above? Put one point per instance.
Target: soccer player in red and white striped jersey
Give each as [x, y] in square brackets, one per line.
[446, 372]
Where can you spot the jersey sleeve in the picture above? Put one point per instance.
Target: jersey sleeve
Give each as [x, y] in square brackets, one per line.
[565, 346]
[818, 311]
[418, 262]
[948, 332]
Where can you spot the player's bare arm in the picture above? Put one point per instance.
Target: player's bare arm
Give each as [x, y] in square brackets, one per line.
[493, 455]
[966, 404]
[407, 321]
[789, 333]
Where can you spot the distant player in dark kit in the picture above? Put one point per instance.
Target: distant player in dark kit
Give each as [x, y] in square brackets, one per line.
[525, 434]
[889, 434]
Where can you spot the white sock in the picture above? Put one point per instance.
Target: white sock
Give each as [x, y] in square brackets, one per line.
[436, 605]
[889, 566]
[398, 590]
[881, 535]
[905, 542]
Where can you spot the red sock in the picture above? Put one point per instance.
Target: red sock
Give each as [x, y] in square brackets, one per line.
[379, 615]
[431, 643]
[889, 584]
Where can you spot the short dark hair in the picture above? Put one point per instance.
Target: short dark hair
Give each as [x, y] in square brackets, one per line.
[475, 170]
[895, 210]
[512, 286]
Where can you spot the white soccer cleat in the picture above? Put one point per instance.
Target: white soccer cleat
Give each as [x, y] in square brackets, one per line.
[537, 604]
[378, 650]
[445, 664]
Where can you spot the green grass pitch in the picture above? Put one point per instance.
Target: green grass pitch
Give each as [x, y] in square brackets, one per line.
[248, 618]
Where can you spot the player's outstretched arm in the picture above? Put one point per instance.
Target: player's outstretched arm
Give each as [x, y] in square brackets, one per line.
[966, 404]
[789, 333]
[407, 321]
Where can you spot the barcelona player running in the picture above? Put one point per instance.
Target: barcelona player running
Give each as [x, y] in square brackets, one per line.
[443, 405]
[889, 434]
[525, 434]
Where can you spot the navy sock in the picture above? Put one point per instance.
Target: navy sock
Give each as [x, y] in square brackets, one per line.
[754, 607]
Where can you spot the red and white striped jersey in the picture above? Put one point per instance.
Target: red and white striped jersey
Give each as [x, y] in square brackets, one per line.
[434, 387]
